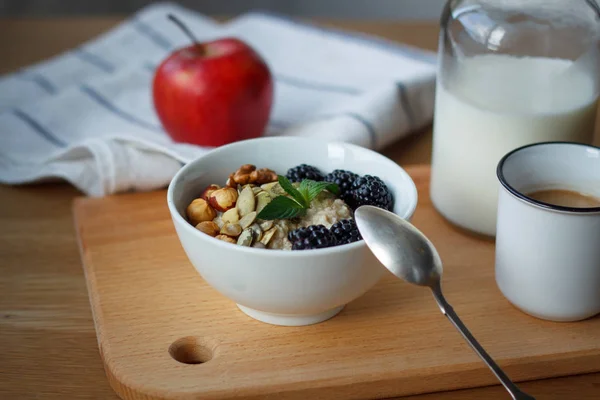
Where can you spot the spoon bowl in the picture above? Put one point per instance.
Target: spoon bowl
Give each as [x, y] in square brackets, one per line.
[389, 243]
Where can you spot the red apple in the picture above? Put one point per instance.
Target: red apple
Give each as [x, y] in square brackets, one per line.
[213, 93]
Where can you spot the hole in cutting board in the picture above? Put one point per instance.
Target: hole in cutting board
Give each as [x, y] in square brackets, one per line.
[191, 350]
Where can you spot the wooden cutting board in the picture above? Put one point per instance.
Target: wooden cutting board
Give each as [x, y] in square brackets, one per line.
[151, 307]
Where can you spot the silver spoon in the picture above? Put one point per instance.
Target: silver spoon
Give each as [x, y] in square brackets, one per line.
[409, 255]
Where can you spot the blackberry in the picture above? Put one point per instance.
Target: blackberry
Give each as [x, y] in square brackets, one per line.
[304, 171]
[344, 179]
[345, 231]
[311, 237]
[298, 234]
[370, 190]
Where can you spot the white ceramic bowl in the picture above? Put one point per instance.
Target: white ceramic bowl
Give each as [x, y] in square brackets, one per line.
[277, 286]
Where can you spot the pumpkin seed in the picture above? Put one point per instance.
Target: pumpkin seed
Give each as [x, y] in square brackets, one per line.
[248, 220]
[246, 238]
[230, 229]
[273, 188]
[246, 202]
[219, 222]
[256, 190]
[268, 186]
[266, 225]
[257, 232]
[262, 199]
[268, 235]
[231, 215]
[225, 238]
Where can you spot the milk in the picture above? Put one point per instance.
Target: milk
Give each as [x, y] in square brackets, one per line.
[494, 104]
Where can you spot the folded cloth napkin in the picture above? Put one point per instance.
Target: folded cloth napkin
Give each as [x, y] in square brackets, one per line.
[87, 115]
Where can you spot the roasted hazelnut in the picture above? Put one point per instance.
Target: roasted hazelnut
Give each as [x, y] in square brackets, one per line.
[226, 238]
[208, 227]
[231, 183]
[209, 189]
[232, 230]
[223, 199]
[199, 211]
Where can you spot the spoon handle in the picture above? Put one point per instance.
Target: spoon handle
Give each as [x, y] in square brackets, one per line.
[448, 311]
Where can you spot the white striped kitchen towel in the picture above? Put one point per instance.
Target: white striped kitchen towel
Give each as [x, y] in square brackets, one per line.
[87, 115]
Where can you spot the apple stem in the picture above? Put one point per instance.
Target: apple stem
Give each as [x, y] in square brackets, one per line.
[184, 28]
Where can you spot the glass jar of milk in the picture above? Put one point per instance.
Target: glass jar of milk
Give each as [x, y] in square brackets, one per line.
[511, 72]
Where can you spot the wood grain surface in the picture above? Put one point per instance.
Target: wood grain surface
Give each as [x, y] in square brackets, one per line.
[154, 314]
[48, 347]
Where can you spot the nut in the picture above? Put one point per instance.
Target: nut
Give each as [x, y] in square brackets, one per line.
[246, 202]
[231, 215]
[249, 174]
[266, 225]
[280, 232]
[256, 190]
[263, 175]
[246, 238]
[273, 188]
[219, 222]
[232, 230]
[259, 245]
[209, 189]
[268, 186]
[242, 175]
[248, 219]
[226, 238]
[199, 211]
[262, 199]
[266, 238]
[208, 227]
[223, 199]
[257, 232]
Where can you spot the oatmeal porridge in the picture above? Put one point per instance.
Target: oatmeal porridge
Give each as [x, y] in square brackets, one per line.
[299, 211]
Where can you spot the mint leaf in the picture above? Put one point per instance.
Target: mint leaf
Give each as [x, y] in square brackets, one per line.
[292, 191]
[281, 207]
[303, 189]
[312, 188]
[333, 188]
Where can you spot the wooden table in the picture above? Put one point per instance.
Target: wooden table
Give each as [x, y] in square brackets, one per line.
[48, 347]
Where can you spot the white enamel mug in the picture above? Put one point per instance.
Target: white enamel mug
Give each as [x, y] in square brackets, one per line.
[548, 256]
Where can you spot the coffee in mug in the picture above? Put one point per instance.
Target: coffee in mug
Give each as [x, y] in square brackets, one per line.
[565, 198]
[548, 230]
